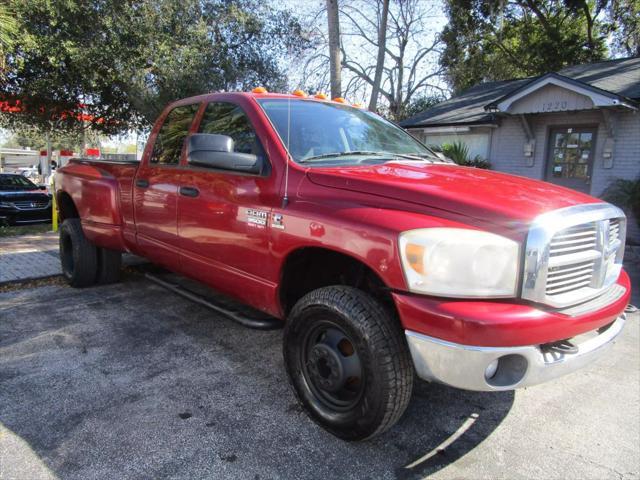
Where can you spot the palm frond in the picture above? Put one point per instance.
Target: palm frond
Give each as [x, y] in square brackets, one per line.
[8, 28]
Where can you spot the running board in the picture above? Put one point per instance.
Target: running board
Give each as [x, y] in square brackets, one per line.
[250, 318]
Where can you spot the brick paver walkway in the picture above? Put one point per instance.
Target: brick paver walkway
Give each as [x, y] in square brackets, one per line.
[29, 256]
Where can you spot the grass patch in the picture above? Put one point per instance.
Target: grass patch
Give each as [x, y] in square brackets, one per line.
[36, 282]
[6, 231]
[129, 273]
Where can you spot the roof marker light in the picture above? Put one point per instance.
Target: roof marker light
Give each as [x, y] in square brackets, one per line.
[321, 96]
[299, 93]
[357, 105]
[259, 90]
[339, 100]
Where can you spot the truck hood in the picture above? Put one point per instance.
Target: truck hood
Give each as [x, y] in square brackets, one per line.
[486, 195]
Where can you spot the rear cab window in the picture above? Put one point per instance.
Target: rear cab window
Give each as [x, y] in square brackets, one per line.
[225, 118]
[168, 145]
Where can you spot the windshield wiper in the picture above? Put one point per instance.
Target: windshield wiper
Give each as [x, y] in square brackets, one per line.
[341, 154]
[411, 156]
[432, 157]
[420, 157]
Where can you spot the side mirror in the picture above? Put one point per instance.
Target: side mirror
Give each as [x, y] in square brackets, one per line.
[216, 151]
[42, 187]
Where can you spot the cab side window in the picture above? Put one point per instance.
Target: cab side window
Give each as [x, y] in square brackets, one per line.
[170, 139]
[228, 119]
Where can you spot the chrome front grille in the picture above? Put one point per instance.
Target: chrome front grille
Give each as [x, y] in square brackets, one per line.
[573, 254]
[569, 277]
[31, 204]
[569, 241]
[614, 230]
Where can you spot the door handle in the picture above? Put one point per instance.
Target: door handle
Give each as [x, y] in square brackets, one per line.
[142, 183]
[189, 191]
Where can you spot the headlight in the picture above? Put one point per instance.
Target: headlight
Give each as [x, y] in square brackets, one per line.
[456, 262]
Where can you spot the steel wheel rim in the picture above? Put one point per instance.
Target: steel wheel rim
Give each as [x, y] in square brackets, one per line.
[332, 367]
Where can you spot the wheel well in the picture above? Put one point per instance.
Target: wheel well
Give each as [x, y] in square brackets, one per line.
[66, 207]
[310, 268]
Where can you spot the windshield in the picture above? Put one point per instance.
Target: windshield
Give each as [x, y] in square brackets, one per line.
[323, 131]
[16, 182]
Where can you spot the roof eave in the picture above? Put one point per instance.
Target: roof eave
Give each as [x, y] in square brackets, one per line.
[488, 122]
[548, 78]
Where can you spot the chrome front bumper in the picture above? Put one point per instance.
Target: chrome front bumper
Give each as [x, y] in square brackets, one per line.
[464, 366]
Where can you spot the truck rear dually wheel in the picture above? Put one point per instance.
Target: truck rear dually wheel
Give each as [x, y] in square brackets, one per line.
[78, 256]
[348, 362]
[109, 263]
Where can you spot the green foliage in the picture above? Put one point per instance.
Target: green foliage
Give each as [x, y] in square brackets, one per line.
[490, 40]
[8, 33]
[459, 153]
[70, 53]
[624, 17]
[626, 195]
[211, 46]
[8, 29]
[124, 60]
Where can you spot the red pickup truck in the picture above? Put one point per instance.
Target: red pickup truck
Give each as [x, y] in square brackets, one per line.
[382, 259]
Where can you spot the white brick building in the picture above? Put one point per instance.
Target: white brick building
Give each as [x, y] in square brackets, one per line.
[579, 127]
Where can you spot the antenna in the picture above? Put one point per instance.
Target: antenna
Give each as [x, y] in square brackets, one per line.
[285, 199]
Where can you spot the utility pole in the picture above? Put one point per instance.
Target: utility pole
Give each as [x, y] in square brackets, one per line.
[333, 18]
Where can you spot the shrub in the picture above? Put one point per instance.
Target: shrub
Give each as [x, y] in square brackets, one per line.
[626, 195]
[459, 153]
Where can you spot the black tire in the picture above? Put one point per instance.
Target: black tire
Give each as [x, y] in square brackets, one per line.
[364, 402]
[78, 256]
[109, 263]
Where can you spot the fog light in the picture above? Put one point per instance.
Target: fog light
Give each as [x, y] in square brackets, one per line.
[491, 369]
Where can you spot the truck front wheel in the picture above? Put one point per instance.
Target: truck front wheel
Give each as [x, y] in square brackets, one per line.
[348, 362]
[78, 256]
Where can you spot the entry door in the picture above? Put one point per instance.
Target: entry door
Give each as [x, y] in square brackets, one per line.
[156, 188]
[223, 216]
[571, 152]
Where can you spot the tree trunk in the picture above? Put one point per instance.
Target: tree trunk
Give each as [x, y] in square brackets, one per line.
[382, 43]
[398, 102]
[334, 48]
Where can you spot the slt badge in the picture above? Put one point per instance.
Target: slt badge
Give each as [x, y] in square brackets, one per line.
[277, 221]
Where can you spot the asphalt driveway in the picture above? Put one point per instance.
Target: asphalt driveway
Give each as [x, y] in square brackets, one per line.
[130, 381]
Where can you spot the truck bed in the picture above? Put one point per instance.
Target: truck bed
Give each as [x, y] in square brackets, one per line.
[102, 190]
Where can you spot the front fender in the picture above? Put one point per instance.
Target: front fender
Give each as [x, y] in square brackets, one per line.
[365, 233]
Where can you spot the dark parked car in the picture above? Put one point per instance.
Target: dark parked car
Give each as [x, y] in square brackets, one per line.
[22, 201]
